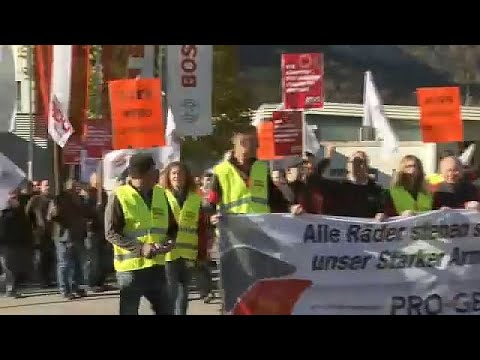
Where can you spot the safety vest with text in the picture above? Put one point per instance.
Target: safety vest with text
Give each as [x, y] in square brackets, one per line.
[402, 200]
[187, 216]
[239, 197]
[142, 224]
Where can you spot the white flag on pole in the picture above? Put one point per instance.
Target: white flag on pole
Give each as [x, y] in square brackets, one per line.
[467, 155]
[11, 176]
[172, 151]
[59, 127]
[374, 116]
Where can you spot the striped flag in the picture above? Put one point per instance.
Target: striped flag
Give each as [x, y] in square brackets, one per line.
[68, 67]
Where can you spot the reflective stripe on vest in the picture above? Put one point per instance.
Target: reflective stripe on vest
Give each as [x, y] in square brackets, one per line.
[402, 200]
[237, 197]
[186, 245]
[142, 224]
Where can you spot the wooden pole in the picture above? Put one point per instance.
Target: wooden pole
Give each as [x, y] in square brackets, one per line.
[56, 169]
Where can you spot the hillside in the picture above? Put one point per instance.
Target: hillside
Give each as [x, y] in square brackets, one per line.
[397, 69]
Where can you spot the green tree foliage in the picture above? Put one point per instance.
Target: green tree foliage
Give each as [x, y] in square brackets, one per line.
[230, 106]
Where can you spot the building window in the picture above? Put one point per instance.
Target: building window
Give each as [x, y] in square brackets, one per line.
[19, 96]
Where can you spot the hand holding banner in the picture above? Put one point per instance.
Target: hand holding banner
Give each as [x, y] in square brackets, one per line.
[137, 117]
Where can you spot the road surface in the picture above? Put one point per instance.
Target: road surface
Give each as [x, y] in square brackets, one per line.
[49, 302]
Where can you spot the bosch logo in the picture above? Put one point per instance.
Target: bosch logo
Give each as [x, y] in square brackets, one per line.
[190, 110]
[188, 65]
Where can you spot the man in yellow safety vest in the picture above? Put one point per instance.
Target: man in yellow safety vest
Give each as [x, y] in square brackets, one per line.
[140, 225]
[242, 184]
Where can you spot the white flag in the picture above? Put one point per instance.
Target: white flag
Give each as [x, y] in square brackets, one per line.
[467, 155]
[59, 127]
[374, 116]
[189, 88]
[172, 150]
[11, 176]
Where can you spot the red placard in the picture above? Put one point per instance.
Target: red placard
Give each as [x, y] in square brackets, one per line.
[302, 81]
[287, 133]
[98, 138]
[71, 151]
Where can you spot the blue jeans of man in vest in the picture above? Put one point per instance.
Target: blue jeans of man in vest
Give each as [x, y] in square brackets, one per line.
[179, 277]
[149, 282]
[70, 255]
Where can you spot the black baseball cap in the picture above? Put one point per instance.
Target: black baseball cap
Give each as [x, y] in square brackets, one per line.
[140, 164]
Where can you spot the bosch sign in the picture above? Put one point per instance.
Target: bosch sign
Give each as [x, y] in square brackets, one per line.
[188, 65]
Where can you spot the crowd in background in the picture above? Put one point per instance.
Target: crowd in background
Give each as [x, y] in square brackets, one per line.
[80, 259]
[59, 241]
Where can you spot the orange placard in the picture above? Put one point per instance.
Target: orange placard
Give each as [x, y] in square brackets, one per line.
[440, 114]
[266, 143]
[137, 117]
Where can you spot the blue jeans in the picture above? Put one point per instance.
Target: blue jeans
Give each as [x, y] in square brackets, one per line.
[69, 265]
[179, 276]
[149, 282]
[93, 264]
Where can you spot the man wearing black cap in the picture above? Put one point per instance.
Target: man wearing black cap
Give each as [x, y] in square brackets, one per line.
[140, 224]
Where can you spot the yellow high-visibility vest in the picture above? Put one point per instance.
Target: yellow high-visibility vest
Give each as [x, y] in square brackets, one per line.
[237, 197]
[402, 200]
[143, 224]
[186, 245]
[435, 179]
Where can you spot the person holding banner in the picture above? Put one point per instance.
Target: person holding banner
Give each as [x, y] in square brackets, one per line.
[454, 192]
[242, 184]
[408, 194]
[191, 241]
[140, 225]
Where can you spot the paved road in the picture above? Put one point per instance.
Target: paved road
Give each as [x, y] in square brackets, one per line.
[51, 303]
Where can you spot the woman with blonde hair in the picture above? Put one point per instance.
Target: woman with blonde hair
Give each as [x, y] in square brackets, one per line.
[408, 194]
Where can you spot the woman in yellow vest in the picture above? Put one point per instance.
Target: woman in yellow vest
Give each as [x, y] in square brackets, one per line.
[186, 204]
[408, 194]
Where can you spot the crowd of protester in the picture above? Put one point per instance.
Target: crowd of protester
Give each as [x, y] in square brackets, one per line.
[66, 241]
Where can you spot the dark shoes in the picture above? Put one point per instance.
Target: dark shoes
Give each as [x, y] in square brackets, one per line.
[69, 296]
[77, 295]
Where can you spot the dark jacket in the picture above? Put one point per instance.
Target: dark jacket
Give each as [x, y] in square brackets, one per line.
[37, 210]
[15, 229]
[454, 196]
[342, 198]
[71, 214]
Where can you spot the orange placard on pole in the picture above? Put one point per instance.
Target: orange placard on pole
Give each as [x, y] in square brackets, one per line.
[266, 143]
[137, 117]
[440, 114]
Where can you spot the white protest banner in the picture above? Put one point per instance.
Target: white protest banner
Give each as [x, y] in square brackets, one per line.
[311, 264]
[59, 126]
[189, 88]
